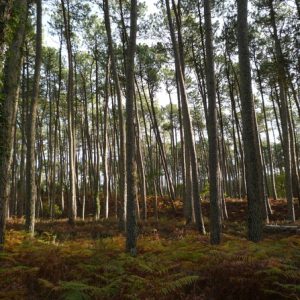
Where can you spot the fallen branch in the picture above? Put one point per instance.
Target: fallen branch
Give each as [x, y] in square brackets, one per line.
[292, 229]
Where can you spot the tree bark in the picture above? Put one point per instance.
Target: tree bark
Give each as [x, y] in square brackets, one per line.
[105, 141]
[131, 226]
[212, 128]
[31, 194]
[122, 154]
[8, 107]
[254, 176]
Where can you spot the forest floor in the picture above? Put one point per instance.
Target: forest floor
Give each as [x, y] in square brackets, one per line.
[173, 262]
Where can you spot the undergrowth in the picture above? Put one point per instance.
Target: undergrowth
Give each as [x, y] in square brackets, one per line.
[173, 262]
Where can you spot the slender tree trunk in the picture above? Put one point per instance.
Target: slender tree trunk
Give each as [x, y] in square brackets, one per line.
[140, 164]
[71, 135]
[214, 175]
[97, 141]
[105, 142]
[13, 192]
[84, 167]
[30, 166]
[122, 154]
[131, 226]
[22, 177]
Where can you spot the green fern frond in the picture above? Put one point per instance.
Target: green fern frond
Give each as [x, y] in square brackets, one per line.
[74, 290]
[179, 284]
[145, 268]
[163, 270]
[291, 288]
[277, 294]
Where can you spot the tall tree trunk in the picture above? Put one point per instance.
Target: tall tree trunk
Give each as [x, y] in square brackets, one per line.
[214, 175]
[13, 192]
[140, 164]
[71, 133]
[96, 179]
[122, 155]
[254, 176]
[22, 177]
[131, 226]
[8, 106]
[31, 194]
[105, 141]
